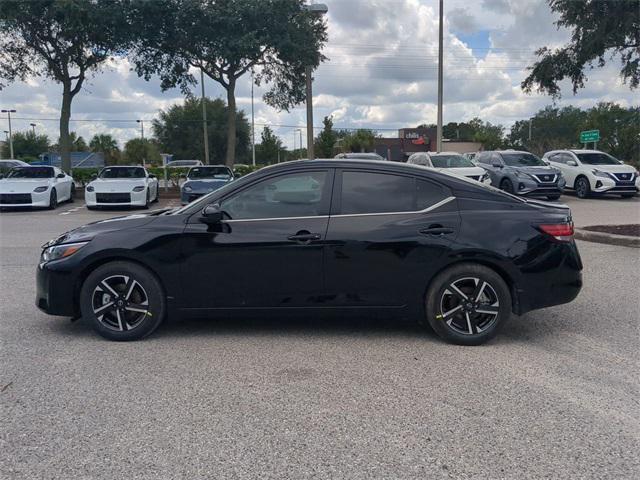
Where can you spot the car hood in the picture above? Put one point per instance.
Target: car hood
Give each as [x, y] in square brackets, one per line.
[206, 184]
[90, 230]
[464, 171]
[22, 185]
[537, 170]
[106, 185]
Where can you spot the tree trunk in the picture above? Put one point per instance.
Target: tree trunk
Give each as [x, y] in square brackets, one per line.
[65, 115]
[231, 123]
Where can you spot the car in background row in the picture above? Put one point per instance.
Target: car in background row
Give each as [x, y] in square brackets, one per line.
[521, 173]
[470, 155]
[450, 162]
[360, 156]
[35, 186]
[203, 180]
[183, 163]
[323, 235]
[122, 186]
[6, 165]
[594, 172]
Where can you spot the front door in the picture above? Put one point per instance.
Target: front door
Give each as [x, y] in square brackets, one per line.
[387, 234]
[268, 252]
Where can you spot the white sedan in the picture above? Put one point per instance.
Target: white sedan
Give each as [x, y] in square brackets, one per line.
[35, 186]
[451, 162]
[122, 186]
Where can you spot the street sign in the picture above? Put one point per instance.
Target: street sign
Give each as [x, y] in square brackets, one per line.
[589, 136]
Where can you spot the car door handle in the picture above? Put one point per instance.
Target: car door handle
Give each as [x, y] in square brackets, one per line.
[436, 230]
[304, 237]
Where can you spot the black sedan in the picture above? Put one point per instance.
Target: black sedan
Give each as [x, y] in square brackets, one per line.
[338, 235]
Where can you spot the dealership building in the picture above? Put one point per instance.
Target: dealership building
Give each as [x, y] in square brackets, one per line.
[412, 140]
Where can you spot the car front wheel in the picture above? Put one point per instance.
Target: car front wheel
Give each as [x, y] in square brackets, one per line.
[507, 186]
[582, 187]
[53, 199]
[122, 301]
[467, 304]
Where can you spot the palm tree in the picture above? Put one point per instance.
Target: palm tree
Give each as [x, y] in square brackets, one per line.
[106, 144]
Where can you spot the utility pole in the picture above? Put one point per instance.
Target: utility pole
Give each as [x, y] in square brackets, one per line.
[9, 112]
[309, 95]
[204, 121]
[530, 120]
[144, 156]
[253, 126]
[300, 131]
[440, 68]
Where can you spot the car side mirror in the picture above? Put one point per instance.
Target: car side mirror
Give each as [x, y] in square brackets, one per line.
[496, 165]
[211, 214]
[60, 175]
[572, 163]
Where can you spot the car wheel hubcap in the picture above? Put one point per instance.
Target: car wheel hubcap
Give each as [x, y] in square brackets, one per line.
[120, 303]
[469, 305]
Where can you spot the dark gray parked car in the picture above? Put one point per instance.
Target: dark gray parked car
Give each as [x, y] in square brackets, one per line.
[522, 173]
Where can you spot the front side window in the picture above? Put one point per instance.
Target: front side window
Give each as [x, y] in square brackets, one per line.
[122, 172]
[31, 172]
[366, 192]
[484, 158]
[597, 158]
[293, 195]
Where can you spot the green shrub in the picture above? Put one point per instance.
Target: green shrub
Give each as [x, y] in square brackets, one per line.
[242, 170]
[82, 176]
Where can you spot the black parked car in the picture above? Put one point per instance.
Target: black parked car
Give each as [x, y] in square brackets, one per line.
[341, 235]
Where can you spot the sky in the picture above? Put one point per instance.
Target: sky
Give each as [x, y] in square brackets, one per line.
[381, 73]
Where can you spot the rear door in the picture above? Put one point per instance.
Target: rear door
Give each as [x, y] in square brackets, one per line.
[387, 233]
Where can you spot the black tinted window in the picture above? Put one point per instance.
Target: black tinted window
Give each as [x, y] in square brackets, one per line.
[31, 172]
[294, 195]
[597, 158]
[365, 192]
[122, 172]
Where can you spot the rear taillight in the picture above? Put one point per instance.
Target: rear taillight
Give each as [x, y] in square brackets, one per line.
[563, 232]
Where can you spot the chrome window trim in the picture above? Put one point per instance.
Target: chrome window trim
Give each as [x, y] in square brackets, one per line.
[413, 212]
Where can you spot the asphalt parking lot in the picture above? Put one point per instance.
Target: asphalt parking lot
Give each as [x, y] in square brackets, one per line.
[554, 396]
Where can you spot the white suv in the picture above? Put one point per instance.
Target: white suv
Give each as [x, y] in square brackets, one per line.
[592, 171]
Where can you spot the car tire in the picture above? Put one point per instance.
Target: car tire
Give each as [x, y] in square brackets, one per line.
[582, 187]
[157, 197]
[147, 201]
[107, 296]
[53, 199]
[553, 197]
[72, 194]
[471, 320]
[507, 186]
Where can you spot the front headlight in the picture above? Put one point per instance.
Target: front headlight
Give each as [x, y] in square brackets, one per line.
[522, 175]
[187, 188]
[139, 188]
[40, 189]
[57, 252]
[90, 188]
[484, 177]
[600, 173]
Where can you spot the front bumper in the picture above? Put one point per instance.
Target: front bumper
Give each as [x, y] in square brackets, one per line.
[134, 199]
[55, 291]
[532, 188]
[17, 200]
[609, 185]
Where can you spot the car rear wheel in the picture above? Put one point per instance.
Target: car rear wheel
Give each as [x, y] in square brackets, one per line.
[53, 199]
[582, 187]
[506, 185]
[467, 304]
[122, 301]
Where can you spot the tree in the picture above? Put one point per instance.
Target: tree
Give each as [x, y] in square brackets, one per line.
[226, 39]
[619, 130]
[26, 145]
[326, 139]
[76, 144]
[269, 147]
[600, 28]
[362, 140]
[138, 152]
[107, 145]
[179, 130]
[65, 41]
[490, 136]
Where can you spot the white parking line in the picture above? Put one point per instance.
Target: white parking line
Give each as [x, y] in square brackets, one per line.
[71, 210]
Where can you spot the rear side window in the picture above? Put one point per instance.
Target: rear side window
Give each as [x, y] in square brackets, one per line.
[483, 158]
[366, 192]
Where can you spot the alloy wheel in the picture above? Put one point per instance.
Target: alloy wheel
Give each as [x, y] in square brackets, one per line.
[469, 305]
[582, 188]
[120, 303]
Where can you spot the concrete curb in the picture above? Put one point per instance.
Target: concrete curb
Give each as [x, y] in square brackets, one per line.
[609, 238]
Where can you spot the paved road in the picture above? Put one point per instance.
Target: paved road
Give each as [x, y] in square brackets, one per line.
[554, 396]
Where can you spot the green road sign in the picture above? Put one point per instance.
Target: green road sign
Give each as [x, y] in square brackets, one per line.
[589, 136]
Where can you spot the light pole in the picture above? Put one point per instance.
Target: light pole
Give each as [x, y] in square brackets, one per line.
[204, 121]
[33, 126]
[318, 9]
[530, 120]
[144, 150]
[253, 126]
[299, 130]
[9, 112]
[141, 122]
[440, 68]
[6, 134]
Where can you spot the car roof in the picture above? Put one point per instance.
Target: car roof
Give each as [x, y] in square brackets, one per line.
[435, 154]
[204, 166]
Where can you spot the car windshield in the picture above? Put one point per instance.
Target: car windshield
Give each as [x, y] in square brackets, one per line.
[597, 158]
[31, 172]
[450, 161]
[122, 172]
[209, 172]
[182, 163]
[522, 160]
